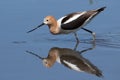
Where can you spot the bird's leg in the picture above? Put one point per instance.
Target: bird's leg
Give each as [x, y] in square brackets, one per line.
[76, 37]
[76, 45]
[93, 33]
[91, 48]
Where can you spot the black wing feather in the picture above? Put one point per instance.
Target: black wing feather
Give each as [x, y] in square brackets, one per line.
[80, 20]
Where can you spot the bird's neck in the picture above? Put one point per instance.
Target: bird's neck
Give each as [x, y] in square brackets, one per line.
[51, 59]
[54, 28]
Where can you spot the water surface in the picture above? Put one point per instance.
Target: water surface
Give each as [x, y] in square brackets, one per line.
[18, 16]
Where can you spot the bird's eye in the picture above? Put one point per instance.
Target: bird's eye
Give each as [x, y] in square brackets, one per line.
[47, 20]
[46, 62]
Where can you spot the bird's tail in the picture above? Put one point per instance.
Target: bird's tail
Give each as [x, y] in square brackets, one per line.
[97, 72]
[101, 9]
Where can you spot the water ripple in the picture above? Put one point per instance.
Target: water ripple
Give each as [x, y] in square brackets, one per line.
[108, 40]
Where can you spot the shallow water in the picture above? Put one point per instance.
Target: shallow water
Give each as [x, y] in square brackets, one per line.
[18, 16]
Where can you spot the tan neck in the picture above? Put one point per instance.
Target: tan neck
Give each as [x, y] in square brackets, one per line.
[54, 28]
[51, 59]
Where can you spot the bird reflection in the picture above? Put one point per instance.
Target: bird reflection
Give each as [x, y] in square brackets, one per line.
[69, 58]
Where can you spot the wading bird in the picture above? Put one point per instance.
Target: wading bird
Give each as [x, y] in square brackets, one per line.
[70, 23]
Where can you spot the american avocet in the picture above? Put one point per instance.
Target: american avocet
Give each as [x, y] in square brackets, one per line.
[71, 59]
[70, 23]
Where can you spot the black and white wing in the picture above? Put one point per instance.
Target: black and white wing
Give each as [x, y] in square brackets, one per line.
[76, 20]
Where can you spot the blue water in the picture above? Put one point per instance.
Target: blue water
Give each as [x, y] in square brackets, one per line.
[19, 16]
